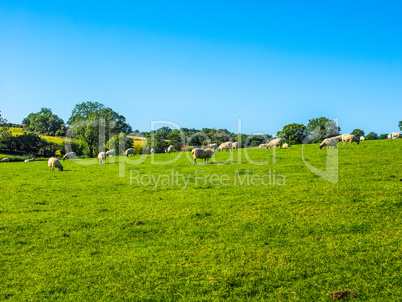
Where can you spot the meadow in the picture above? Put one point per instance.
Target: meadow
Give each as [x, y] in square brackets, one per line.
[253, 225]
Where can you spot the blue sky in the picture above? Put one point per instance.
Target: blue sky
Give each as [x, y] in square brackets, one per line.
[206, 63]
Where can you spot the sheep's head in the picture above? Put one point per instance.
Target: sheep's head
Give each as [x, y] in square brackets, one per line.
[61, 168]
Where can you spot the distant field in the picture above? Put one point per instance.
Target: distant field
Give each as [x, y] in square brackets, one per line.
[227, 230]
[60, 139]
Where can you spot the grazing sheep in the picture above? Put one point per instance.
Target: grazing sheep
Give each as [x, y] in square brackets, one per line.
[389, 136]
[362, 138]
[211, 146]
[200, 153]
[396, 134]
[274, 143]
[285, 145]
[110, 153]
[54, 163]
[153, 151]
[235, 145]
[349, 138]
[69, 156]
[263, 146]
[333, 141]
[102, 157]
[225, 146]
[5, 160]
[170, 149]
[129, 151]
[29, 160]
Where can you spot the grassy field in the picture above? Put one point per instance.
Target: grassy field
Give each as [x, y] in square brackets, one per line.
[227, 230]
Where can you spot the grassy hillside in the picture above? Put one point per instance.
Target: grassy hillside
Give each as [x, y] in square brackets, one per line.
[208, 232]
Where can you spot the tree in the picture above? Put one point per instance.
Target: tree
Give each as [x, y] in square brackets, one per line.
[321, 128]
[383, 136]
[293, 134]
[175, 139]
[357, 133]
[5, 133]
[163, 132]
[156, 141]
[254, 140]
[118, 140]
[372, 136]
[93, 124]
[400, 125]
[44, 122]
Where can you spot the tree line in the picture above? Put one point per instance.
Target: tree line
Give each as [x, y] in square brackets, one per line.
[93, 128]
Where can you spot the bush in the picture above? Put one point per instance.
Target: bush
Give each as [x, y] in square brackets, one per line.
[71, 146]
[138, 147]
[28, 144]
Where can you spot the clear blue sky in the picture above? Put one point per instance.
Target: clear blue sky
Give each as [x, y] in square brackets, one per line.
[206, 63]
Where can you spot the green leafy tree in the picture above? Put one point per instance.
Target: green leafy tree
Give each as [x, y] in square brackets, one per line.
[400, 125]
[156, 141]
[197, 139]
[383, 136]
[221, 136]
[321, 128]
[163, 132]
[176, 138]
[93, 124]
[254, 140]
[119, 143]
[4, 129]
[357, 133]
[5, 134]
[293, 134]
[372, 136]
[44, 122]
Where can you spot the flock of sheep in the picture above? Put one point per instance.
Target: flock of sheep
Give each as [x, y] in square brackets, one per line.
[210, 149]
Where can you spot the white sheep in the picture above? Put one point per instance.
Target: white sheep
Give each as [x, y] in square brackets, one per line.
[54, 163]
[110, 153]
[211, 146]
[200, 153]
[5, 160]
[389, 136]
[274, 143]
[262, 145]
[170, 149]
[29, 160]
[286, 145]
[69, 155]
[349, 138]
[235, 145]
[102, 157]
[396, 134]
[225, 146]
[129, 151]
[362, 138]
[333, 141]
[153, 151]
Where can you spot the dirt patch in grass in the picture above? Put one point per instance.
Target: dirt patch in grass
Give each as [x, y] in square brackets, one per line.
[342, 294]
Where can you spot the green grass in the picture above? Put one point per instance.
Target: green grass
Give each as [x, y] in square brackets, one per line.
[69, 235]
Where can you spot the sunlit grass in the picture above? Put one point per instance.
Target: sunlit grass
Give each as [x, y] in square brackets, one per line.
[70, 235]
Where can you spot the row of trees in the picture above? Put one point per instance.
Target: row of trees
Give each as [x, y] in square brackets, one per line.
[94, 128]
